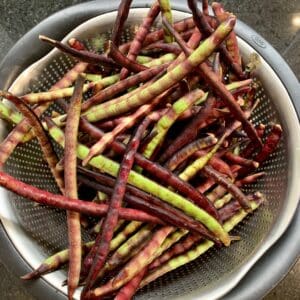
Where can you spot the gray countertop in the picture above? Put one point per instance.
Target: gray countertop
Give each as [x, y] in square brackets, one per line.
[276, 20]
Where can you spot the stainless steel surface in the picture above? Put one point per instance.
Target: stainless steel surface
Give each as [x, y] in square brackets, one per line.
[224, 267]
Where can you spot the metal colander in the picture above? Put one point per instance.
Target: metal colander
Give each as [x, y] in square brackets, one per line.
[38, 231]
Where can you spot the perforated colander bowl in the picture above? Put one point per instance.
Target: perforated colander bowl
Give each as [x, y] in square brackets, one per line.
[38, 231]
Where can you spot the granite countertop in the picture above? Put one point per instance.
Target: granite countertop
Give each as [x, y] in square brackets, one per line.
[277, 21]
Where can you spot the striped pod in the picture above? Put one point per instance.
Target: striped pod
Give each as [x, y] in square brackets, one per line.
[143, 258]
[164, 124]
[191, 170]
[110, 167]
[203, 25]
[194, 253]
[230, 187]
[70, 179]
[175, 75]
[140, 36]
[83, 56]
[18, 133]
[189, 150]
[180, 26]
[62, 202]
[123, 11]
[121, 86]
[113, 52]
[166, 11]
[59, 259]
[212, 79]
[231, 42]
[156, 170]
[126, 123]
[118, 194]
[45, 143]
[129, 289]
[137, 263]
[191, 130]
